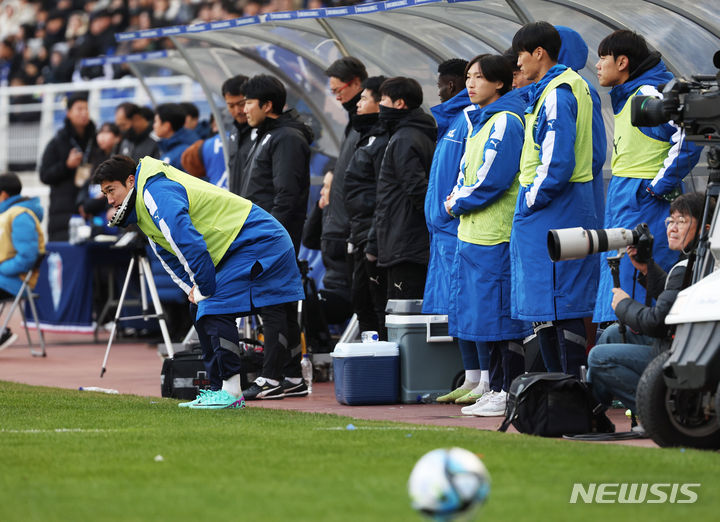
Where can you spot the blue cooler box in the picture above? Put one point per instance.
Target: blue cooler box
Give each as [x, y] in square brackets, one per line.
[366, 373]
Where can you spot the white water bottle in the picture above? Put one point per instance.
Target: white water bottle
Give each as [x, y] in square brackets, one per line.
[307, 371]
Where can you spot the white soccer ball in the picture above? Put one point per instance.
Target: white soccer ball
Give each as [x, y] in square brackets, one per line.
[447, 482]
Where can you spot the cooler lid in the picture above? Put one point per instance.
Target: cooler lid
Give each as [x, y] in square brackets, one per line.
[404, 306]
[376, 349]
[415, 319]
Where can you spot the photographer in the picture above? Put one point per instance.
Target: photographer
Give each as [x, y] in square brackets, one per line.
[615, 367]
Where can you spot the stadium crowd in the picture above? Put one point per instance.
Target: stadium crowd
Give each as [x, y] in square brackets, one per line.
[44, 41]
[451, 207]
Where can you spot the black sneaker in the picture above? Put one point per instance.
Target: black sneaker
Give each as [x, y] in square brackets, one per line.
[7, 338]
[261, 389]
[294, 390]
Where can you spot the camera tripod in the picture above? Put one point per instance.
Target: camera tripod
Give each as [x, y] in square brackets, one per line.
[140, 259]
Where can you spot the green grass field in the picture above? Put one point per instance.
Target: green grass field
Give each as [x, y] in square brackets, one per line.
[81, 456]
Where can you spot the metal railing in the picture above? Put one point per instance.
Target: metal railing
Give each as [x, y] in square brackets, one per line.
[31, 115]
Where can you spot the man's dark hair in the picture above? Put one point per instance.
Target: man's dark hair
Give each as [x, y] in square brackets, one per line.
[628, 43]
[232, 86]
[10, 183]
[190, 109]
[76, 97]
[266, 88]
[512, 57]
[402, 88]
[538, 34]
[692, 204]
[453, 67]
[373, 84]
[117, 168]
[347, 68]
[110, 127]
[147, 113]
[495, 68]
[173, 113]
[128, 108]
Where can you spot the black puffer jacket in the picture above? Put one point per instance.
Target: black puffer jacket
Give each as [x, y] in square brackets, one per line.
[361, 176]
[664, 288]
[239, 143]
[335, 217]
[140, 145]
[277, 171]
[54, 172]
[402, 234]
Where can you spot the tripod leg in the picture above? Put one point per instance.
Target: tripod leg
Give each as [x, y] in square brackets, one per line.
[117, 314]
[158, 305]
[143, 291]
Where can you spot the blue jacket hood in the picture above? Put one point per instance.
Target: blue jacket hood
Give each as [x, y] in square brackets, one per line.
[445, 112]
[182, 137]
[512, 101]
[574, 50]
[654, 76]
[33, 204]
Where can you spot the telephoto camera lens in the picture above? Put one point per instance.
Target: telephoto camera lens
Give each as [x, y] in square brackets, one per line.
[576, 243]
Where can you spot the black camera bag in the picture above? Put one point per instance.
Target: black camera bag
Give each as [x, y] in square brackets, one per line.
[553, 405]
[183, 376]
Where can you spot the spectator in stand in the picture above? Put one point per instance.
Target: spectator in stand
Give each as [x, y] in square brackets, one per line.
[402, 237]
[369, 287]
[68, 150]
[123, 116]
[174, 137]
[137, 142]
[10, 61]
[240, 138]
[345, 78]
[90, 201]
[21, 241]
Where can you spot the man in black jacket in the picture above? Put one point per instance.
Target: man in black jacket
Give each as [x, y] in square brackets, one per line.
[402, 236]
[369, 287]
[615, 366]
[345, 82]
[240, 139]
[277, 179]
[137, 142]
[68, 149]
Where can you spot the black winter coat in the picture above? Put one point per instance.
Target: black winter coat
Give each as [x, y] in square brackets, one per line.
[361, 176]
[335, 217]
[54, 172]
[277, 171]
[402, 234]
[240, 142]
[138, 146]
[664, 288]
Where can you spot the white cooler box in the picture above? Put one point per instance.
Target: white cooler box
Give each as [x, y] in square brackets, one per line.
[430, 362]
[366, 373]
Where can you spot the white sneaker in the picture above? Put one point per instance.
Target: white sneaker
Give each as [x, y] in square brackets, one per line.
[493, 407]
[469, 410]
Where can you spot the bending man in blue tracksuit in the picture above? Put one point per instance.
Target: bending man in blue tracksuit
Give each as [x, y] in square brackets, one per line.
[227, 254]
[556, 191]
[648, 163]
